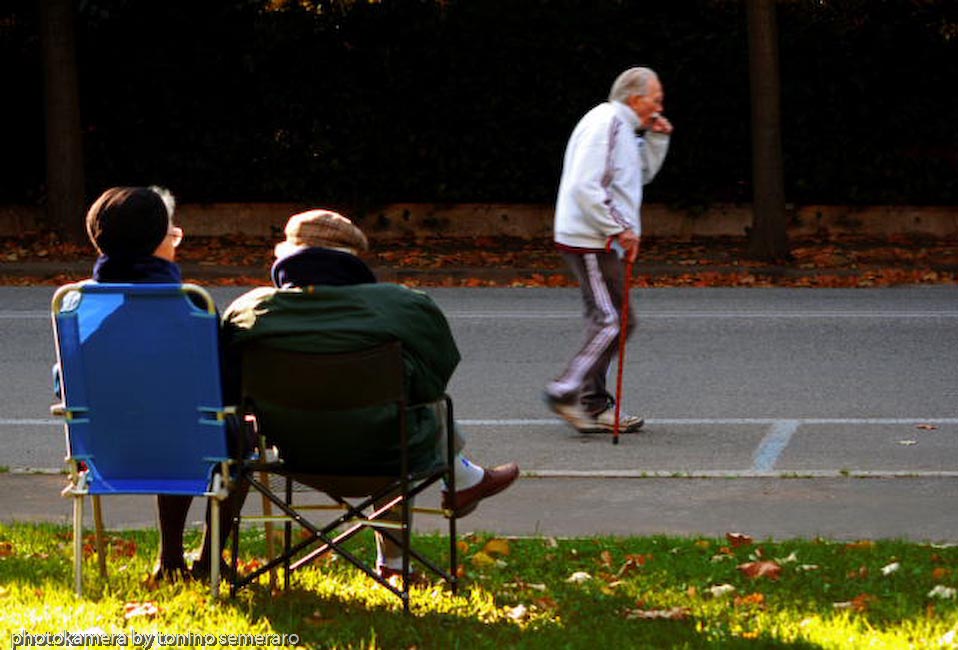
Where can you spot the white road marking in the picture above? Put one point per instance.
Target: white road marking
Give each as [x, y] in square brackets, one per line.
[24, 315]
[722, 421]
[746, 315]
[736, 473]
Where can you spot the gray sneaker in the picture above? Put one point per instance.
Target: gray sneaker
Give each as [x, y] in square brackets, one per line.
[572, 412]
[604, 422]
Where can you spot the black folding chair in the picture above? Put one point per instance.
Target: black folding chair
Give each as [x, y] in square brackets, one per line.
[343, 418]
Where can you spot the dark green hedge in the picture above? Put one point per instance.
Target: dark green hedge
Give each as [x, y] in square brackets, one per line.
[472, 100]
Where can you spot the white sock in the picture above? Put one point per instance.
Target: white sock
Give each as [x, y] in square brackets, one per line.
[467, 473]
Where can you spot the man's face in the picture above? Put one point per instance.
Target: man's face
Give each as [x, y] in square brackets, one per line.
[648, 105]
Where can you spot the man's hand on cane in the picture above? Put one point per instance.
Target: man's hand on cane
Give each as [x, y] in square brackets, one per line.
[629, 241]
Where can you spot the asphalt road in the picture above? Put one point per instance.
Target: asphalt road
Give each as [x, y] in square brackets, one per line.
[782, 412]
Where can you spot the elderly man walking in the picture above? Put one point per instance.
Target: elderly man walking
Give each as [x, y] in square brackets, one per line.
[615, 149]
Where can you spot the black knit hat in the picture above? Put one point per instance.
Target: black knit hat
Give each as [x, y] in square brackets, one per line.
[128, 222]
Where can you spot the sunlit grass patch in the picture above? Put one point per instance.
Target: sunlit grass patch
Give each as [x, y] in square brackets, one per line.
[639, 592]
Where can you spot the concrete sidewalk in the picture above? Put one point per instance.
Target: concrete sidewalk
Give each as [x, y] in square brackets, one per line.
[832, 508]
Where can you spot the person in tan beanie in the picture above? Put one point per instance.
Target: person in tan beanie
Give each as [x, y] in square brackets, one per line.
[325, 299]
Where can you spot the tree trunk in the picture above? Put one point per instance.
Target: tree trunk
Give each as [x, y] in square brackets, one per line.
[65, 185]
[767, 239]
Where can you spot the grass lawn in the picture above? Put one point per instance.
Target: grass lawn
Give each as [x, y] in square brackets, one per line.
[637, 592]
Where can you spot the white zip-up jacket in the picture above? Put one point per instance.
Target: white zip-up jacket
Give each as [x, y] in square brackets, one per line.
[605, 166]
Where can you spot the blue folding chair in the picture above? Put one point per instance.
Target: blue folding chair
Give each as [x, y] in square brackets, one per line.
[140, 384]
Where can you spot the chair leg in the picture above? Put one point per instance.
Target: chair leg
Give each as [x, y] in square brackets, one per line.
[406, 542]
[99, 535]
[287, 534]
[234, 556]
[78, 545]
[451, 486]
[270, 542]
[215, 552]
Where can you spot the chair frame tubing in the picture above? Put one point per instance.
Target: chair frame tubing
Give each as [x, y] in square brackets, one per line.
[410, 485]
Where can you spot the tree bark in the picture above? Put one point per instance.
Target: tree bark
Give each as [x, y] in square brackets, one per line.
[767, 238]
[65, 183]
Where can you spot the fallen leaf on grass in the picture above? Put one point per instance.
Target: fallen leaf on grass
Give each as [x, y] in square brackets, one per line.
[249, 566]
[522, 585]
[135, 609]
[718, 591]
[120, 547]
[943, 592]
[750, 600]
[518, 612]
[940, 573]
[889, 569]
[673, 614]
[860, 545]
[579, 577]
[761, 569]
[496, 547]
[860, 603]
[6, 549]
[632, 564]
[482, 560]
[546, 604]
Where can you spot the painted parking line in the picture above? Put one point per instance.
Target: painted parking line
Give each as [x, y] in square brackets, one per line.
[773, 444]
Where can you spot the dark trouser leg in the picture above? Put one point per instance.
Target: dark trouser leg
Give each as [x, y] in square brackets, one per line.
[231, 505]
[172, 510]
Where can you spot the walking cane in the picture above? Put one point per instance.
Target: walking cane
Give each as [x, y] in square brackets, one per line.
[623, 334]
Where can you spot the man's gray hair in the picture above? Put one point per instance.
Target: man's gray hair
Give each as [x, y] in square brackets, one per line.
[168, 199]
[634, 81]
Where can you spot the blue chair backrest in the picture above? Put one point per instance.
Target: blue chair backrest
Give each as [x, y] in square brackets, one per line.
[140, 380]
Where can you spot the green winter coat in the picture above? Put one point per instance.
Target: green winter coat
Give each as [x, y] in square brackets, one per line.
[345, 319]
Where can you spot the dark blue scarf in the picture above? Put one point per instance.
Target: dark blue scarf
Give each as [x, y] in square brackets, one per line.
[320, 267]
[147, 270]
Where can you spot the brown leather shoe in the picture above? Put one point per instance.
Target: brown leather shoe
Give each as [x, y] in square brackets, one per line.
[494, 480]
